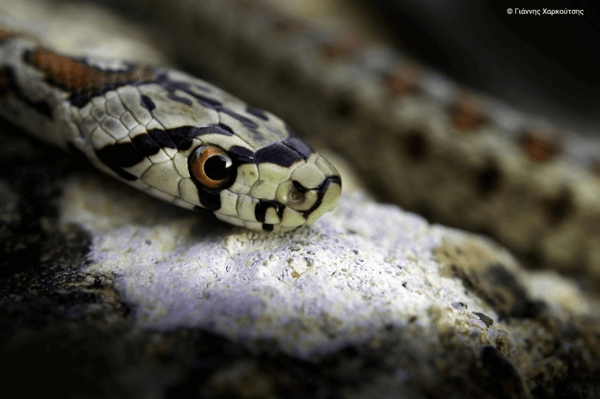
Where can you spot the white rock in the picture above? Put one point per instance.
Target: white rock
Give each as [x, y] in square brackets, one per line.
[358, 270]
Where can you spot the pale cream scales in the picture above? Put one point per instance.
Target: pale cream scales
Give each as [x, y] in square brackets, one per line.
[170, 135]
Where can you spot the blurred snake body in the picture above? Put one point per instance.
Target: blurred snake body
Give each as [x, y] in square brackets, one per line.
[173, 136]
[418, 138]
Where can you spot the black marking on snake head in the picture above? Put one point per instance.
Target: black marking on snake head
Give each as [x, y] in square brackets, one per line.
[206, 101]
[178, 99]
[279, 154]
[80, 100]
[119, 156]
[321, 189]
[145, 144]
[182, 137]
[162, 138]
[224, 126]
[203, 88]
[260, 211]
[210, 199]
[245, 121]
[172, 86]
[267, 227]
[258, 113]
[147, 103]
[9, 85]
[299, 146]
[299, 186]
[241, 154]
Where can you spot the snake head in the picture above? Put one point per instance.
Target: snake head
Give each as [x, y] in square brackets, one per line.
[279, 187]
[190, 143]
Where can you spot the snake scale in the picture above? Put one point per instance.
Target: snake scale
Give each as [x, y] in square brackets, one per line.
[175, 137]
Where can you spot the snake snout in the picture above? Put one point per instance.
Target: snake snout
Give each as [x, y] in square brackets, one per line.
[314, 188]
[327, 195]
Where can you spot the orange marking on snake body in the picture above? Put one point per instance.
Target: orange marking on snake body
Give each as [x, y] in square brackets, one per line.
[344, 46]
[6, 35]
[77, 76]
[402, 80]
[67, 72]
[468, 113]
[541, 145]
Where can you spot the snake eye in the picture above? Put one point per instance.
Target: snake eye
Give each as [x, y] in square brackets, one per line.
[211, 167]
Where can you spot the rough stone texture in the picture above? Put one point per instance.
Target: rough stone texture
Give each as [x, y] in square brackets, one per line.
[108, 293]
[361, 270]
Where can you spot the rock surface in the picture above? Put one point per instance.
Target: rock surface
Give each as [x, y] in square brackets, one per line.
[133, 297]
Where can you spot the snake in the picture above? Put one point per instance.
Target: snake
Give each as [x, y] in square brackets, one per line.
[173, 136]
[418, 138]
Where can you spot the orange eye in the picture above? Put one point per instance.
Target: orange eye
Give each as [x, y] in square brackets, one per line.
[211, 167]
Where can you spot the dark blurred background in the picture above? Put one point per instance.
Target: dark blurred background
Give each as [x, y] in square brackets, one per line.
[543, 65]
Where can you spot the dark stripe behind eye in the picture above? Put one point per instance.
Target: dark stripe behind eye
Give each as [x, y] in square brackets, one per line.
[145, 144]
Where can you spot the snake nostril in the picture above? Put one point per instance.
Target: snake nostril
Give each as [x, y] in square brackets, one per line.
[294, 195]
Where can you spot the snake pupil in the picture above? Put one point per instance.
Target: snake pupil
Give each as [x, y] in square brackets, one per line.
[217, 167]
